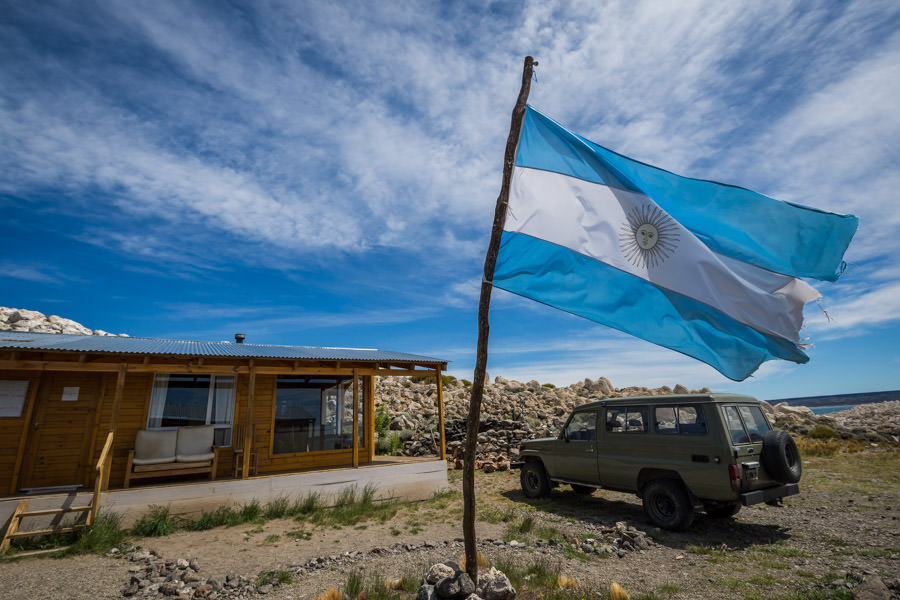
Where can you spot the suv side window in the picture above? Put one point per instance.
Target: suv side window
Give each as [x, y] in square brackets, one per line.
[735, 427]
[756, 424]
[582, 427]
[629, 419]
[680, 419]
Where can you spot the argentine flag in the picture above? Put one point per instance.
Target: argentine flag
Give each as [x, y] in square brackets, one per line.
[707, 269]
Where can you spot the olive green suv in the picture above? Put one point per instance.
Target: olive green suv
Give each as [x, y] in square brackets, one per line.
[715, 452]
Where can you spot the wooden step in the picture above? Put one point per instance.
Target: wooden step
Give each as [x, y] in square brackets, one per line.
[55, 511]
[22, 534]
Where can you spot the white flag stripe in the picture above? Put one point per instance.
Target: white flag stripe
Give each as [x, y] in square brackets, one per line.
[590, 218]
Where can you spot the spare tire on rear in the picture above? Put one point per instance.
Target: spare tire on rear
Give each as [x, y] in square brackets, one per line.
[780, 457]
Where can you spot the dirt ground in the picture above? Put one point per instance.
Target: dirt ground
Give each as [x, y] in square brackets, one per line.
[843, 524]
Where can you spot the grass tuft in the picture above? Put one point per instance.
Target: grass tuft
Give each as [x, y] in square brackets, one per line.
[157, 523]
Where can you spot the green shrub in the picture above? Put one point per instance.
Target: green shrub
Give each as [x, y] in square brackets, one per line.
[548, 385]
[156, 523]
[100, 537]
[251, 512]
[466, 382]
[280, 576]
[277, 508]
[821, 432]
[382, 421]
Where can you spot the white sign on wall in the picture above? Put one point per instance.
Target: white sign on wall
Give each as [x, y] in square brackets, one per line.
[12, 397]
[70, 394]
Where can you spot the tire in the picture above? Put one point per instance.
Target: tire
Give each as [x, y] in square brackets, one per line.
[534, 480]
[780, 457]
[582, 489]
[668, 505]
[722, 511]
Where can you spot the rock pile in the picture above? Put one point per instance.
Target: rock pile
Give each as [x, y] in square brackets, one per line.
[20, 319]
[511, 412]
[446, 581]
[158, 578]
[153, 576]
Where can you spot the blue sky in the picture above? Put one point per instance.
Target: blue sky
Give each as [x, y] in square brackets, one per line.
[318, 174]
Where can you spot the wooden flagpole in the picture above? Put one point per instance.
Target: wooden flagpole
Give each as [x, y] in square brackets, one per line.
[490, 261]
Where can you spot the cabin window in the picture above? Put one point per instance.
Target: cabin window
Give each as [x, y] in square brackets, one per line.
[183, 399]
[315, 413]
[12, 397]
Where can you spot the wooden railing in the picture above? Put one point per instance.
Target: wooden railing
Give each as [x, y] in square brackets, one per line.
[101, 476]
[101, 482]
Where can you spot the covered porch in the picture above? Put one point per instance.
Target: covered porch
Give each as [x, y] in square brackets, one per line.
[392, 478]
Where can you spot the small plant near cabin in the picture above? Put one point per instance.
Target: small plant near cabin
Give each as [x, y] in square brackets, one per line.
[382, 421]
[156, 523]
[100, 537]
[277, 508]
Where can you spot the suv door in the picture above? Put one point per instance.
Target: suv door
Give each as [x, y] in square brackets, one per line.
[576, 453]
[622, 450]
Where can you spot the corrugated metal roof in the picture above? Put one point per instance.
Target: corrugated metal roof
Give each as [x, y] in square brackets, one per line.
[135, 345]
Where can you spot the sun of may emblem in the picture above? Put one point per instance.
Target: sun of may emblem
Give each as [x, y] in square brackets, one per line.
[649, 237]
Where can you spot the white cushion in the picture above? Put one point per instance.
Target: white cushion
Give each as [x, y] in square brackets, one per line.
[194, 457]
[194, 440]
[153, 447]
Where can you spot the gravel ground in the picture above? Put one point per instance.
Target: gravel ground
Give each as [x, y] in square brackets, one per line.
[844, 526]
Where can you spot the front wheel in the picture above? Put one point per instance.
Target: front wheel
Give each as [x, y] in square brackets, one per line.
[668, 505]
[534, 480]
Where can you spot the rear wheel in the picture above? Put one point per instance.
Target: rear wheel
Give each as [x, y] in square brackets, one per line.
[722, 510]
[534, 480]
[582, 489]
[668, 505]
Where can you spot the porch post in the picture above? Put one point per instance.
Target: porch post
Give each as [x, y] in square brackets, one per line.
[117, 399]
[33, 386]
[440, 399]
[248, 431]
[355, 418]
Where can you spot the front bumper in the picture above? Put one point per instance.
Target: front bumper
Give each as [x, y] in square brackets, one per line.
[768, 494]
[517, 464]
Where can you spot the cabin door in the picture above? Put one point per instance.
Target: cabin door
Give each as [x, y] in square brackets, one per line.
[58, 446]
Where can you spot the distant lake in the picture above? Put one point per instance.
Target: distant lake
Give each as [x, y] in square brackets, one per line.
[821, 410]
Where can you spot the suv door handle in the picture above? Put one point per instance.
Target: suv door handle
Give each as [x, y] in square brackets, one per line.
[589, 450]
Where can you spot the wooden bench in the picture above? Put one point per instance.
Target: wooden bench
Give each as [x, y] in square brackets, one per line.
[169, 452]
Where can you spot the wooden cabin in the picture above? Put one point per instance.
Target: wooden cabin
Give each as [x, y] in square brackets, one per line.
[298, 408]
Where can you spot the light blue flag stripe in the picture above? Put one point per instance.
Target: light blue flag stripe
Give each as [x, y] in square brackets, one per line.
[779, 236]
[564, 279]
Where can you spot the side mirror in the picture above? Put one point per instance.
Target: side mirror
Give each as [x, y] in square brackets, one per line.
[565, 435]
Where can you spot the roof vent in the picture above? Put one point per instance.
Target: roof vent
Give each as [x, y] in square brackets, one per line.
[239, 338]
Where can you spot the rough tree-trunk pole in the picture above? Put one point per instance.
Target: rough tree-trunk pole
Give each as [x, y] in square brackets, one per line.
[490, 261]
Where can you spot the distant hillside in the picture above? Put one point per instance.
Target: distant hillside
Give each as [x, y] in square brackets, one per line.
[841, 399]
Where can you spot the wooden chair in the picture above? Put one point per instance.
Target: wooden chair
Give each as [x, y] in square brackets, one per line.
[237, 444]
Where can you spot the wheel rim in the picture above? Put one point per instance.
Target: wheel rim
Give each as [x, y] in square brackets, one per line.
[532, 480]
[663, 506]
